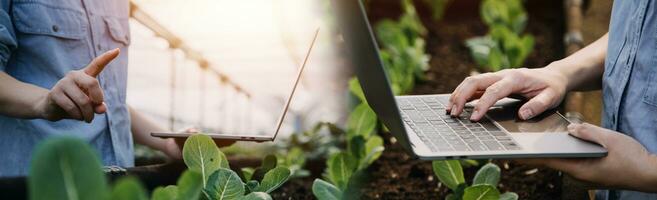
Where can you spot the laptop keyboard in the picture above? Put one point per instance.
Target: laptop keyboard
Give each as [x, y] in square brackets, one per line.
[442, 133]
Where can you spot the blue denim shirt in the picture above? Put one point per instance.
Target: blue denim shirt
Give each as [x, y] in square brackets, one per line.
[629, 84]
[42, 40]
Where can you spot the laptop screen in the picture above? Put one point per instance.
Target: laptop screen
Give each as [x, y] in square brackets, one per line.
[364, 53]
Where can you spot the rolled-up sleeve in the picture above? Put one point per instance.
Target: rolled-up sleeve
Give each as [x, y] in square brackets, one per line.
[7, 35]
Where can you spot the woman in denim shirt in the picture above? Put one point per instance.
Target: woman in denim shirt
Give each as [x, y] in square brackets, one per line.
[623, 63]
[51, 85]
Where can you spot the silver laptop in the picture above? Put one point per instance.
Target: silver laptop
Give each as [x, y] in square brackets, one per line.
[420, 123]
[257, 138]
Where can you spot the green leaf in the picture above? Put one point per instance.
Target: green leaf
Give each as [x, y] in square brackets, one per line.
[340, 168]
[294, 160]
[129, 188]
[449, 172]
[252, 186]
[66, 168]
[357, 181]
[356, 146]
[202, 155]
[481, 192]
[326, 191]
[256, 196]
[457, 194]
[274, 179]
[224, 184]
[488, 174]
[373, 150]
[509, 196]
[190, 185]
[362, 121]
[354, 87]
[247, 172]
[165, 193]
[269, 162]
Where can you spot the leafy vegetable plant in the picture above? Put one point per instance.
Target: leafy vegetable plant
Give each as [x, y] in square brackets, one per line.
[484, 184]
[403, 49]
[503, 46]
[67, 168]
[405, 61]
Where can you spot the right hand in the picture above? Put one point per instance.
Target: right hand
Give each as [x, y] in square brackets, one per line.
[78, 95]
[544, 88]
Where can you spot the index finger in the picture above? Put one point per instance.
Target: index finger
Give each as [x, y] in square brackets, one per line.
[467, 89]
[98, 64]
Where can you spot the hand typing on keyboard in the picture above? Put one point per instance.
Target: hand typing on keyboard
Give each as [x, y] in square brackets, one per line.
[543, 87]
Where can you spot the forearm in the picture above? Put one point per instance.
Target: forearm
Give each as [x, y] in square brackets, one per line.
[18, 99]
[584, 68]
[142, 128]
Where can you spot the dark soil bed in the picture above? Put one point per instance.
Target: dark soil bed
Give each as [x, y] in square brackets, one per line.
[396, 175]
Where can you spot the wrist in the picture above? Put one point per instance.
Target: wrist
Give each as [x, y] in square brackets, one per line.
[39, 106]
[564, 73]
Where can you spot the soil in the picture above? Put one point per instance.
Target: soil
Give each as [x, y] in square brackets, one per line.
[398, 176]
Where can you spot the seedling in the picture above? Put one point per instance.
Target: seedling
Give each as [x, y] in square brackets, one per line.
[503, 46]
[67, 168]
[403, 49]
[484, 184]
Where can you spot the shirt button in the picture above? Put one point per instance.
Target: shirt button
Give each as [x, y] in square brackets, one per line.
[55, 28]
[99, 47]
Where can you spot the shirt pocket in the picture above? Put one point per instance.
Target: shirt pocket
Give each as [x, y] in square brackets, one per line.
[650, 93]
[41, 19]
[119, 31]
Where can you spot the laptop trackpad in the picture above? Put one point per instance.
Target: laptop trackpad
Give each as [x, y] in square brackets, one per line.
[507, 116]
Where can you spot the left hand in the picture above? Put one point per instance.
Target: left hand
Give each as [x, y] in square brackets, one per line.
[173, 146]
[628, 164]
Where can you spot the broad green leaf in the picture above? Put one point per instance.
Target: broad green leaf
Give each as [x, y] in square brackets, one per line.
[269, 162]
[202, 155]
[256, 196]
[224, 184]
[362, 121]
[273, 179]
[66, 168]
[326, 191]
[449, 172]
[340, 168]
[481, 192]
[190, 185]
[165, 193]
[128, 188]
[354, 87]
[488, 174]
[509, 196]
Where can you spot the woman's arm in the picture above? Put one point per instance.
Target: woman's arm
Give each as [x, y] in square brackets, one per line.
[585, 67]
[18, 99]
[142, 128]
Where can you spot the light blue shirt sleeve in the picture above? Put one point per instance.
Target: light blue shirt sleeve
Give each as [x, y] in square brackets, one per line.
[7, 35]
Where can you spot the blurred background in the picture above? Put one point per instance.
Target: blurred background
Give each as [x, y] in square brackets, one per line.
[227, 66]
